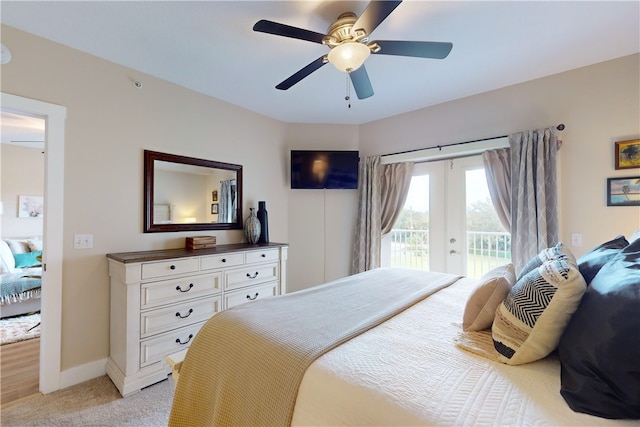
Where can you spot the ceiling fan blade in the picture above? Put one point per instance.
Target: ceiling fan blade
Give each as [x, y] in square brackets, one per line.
[436, 50]
[286, 84]
[374, 14]
[271, 27]
[361, 83]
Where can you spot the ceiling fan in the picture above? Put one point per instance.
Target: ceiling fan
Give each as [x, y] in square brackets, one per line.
[348, 39]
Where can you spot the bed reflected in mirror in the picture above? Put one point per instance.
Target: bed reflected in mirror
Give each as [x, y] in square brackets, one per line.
[185, 194]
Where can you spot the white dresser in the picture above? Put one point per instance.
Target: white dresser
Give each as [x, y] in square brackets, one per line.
[160, 300]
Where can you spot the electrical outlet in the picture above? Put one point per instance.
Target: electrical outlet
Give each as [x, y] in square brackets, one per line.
[82, 241]
[576, 239]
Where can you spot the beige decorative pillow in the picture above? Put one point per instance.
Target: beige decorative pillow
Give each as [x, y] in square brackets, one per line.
[489, 292]
[529, 322]
[35, 245]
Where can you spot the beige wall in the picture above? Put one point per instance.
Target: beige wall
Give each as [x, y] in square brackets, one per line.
[22, 175]
[321, 222]
[110, 122]
[599, 105]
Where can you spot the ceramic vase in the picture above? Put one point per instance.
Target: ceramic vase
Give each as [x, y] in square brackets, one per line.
[252, 227]
[264, 222]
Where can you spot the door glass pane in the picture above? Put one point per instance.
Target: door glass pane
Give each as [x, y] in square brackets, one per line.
[488, 243]
[410, 234]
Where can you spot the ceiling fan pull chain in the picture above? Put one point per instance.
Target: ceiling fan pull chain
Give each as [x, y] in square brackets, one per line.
[348, 97]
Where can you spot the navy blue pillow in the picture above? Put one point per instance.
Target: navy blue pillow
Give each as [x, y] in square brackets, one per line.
[591, 262]
[600, 348]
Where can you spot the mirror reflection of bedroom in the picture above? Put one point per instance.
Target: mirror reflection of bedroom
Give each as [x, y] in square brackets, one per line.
[21, 231]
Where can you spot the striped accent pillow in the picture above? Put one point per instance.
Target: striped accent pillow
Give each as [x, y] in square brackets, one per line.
[531, 319]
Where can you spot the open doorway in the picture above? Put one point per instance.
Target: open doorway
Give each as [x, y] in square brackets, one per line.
[22, 150]
[51, 293]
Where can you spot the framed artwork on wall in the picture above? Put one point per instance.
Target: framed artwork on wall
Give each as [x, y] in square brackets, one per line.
[627, 154]
[30, 206]
[214, 196]
[623, 191]
[214, 208]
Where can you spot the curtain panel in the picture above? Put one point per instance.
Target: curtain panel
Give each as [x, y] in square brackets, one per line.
[523, 184]
[382, 191]
[366, 249]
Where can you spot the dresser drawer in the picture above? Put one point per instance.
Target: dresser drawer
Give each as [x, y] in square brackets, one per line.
[221, 261]
[253, 293]
[153, 270]
[250, 275]
[153, 294]
[154, 349]
[176, 316]
[262, 256]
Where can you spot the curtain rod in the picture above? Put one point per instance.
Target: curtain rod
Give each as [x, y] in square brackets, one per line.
[560, 127]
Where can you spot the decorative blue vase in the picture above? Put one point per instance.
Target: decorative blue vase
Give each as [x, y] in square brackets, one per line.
[263, 217]
[252, 227]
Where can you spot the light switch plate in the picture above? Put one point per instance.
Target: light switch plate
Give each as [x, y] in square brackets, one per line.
[82, 241]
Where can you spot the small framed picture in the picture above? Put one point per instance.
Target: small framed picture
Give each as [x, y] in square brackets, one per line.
[214, 208]
[628, 154]
[623, 191]
[214, 196]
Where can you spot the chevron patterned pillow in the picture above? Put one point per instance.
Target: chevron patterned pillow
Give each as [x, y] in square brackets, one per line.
[548, 254]
[531, 319]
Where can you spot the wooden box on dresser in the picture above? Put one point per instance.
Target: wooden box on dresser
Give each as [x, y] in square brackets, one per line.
[160, 300]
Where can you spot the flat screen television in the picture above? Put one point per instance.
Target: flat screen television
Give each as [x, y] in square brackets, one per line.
[316, 169]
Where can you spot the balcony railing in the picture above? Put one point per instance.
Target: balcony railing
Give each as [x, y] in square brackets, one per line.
[485, 250]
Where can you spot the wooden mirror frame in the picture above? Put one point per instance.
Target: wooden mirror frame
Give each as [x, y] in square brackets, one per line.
[149, 161]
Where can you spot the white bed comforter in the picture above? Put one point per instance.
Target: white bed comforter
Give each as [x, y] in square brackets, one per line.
[408, 371]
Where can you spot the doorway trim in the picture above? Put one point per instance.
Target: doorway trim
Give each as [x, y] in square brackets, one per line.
[51, 307]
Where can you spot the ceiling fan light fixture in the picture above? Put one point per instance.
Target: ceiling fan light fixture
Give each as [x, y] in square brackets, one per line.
[349, 56]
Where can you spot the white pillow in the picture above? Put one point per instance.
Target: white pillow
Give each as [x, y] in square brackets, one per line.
[18, 246]
[485, 298]
[7, 261]
[529, 322]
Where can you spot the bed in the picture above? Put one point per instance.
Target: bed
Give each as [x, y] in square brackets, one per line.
[415, 364]
[21, 278]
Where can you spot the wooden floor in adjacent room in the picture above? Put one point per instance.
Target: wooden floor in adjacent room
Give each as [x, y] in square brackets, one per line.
[19, 370]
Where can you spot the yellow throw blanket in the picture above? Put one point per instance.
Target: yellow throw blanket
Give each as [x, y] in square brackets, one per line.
[246, 364]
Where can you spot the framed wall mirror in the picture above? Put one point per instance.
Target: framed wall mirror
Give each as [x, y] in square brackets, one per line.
[188, 194]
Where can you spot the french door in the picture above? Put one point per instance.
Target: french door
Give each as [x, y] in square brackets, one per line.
[448, 223]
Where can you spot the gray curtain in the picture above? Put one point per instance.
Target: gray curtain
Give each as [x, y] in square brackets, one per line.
[382, 191]
[497, 168]
[396, 179]
[533, 203]
[366, 248]
[225, 208]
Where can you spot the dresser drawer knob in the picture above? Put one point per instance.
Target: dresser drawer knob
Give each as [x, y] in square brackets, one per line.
[252, 277]
[186, 342]
[172, 267]
[184, 317]
[223, 260]
[254, 297]
[179, 288]
[263, 255]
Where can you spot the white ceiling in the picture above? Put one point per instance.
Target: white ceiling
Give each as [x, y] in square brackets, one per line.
[209, 47]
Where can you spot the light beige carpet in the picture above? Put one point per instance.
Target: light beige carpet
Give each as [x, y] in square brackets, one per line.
[20, 328]
[93, 403]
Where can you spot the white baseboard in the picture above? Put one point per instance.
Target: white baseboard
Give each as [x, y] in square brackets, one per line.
[82, 373]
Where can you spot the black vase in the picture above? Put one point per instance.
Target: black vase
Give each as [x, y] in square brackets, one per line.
[264, 222]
